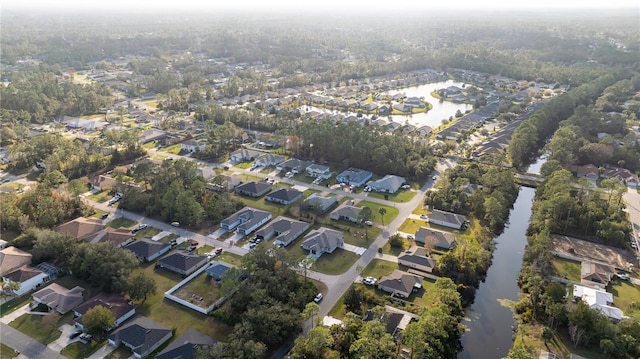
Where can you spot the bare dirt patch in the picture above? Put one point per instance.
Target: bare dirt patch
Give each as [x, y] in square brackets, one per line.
[569, 246]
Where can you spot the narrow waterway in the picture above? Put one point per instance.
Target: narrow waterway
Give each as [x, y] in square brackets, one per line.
[489, 321]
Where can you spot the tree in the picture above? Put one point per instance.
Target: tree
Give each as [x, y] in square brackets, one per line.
[382, 212]
[314, 345]
[105, 265]
[7, 288]
[77, 187]
[608, 347]
[353, 300]
[140, 287]
[310, 311]
[364, 216]
[374, 342]
[546, 334]
[98, 319]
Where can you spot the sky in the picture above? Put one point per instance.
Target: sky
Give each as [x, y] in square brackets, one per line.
[306, 5]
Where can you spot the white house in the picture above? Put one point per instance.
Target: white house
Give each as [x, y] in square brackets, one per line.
[387, 184]
[192, 146]
[598, 299]
[28, 278]
[319, 171]
[447, 219]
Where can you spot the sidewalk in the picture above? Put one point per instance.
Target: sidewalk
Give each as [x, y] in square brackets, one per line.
[15, 314]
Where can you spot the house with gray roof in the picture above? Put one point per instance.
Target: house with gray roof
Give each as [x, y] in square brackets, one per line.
[243, 155]
[323, 240]
[187, 346]
[435, 238]
[254, 189]
[182, 262]
[119, 306]
[245, 220]
[28, 278]
[293, 165]
[318, 171]
[320, 203]
[347, 213]
[285, 231]
[400, 283]
[148, 250]
[268, 159]
[387, 184]
[354, 177]
[447, 219]
[217, 269]
[58, 298]
[284, 196]
[417, 258]
[141, 335]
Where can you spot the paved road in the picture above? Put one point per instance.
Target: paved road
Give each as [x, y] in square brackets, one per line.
[632, 198]
[27, 346]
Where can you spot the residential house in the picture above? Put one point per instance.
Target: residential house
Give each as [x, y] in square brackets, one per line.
[284, 196]
[400, 283]
[82, 124]
[182, 262]
[245, 220]
[417, 258]
[322, 240]
[217, 269]
[284, 230]
[598, 299]
[437, 239]
[447, 219]
[58, 298]
[387, 184]
[268, 159]
[12, 258]
[141, 335]
[148, 250]
[293, 165]
[623, 174]
[346, 212]
[354, 177]
[318, 171]
[119, 237]
[119, 306]
[226, 183]
[320, 203]
[243, 155]
[206, 172]
[152, 135]
[591, 172]
[596, 274]
[28, 278]
[469, 189]
[81, 228]
[103, 183]
[192, 146]
[395, 320]
[254, 189]
[187, 346]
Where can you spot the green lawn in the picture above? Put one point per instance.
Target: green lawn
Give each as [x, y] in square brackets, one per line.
[7, 352]
[98, 213]
[172, 314]
[149, 231]
[334, 263]
[244, 165]
[150, 145]
[378, 268]
[173, 149]
[78, 350]
[296, 251]
[411, 225]
[230, 258]
[200, 286]
[13, 304]
[33, 326]
[204, 249]
[565, 268]
[625, 295]
[121, 222]
[392, 212]
[401, 196]
[100, 197]
[394, 251]
[121, 352]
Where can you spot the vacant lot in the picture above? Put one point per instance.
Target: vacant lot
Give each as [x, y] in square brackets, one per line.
[201, 291]
[616, 257]
[566, 268]
[335, 263]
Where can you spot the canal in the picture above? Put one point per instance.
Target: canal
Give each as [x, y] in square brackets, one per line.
[489, 321]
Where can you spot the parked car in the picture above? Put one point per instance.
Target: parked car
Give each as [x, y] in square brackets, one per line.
[368, 223]
[75, 334]
[369, 281]
[175, 224]
[104, 216]
[142, 226]
[218, 251]
[423, 216]
[194, 243]
[318, 298]
[410, 237]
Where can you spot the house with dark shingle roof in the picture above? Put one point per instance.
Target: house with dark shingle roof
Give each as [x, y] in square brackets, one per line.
[284, 196]
[81, 228]
[187, 346]
[268, 159]
[59, 298]
[119, 237]
[217, 269]
[284, 230]
[182, 262]
[243, 155]
[141, 335]
[354, 177]
[435, 238]
[400, 283]
[148, 250]
[119, 306]
[447, 219]
[387, 184]
[417, 258]
[346, 212]
[254, 189]
[320, 203]
[294, 165]
[245, 220]
[323, 240]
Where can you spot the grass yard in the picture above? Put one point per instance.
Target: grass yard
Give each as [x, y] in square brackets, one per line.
[13, 304]
[149, 231]
[151, 103]
[121, 223]
[230, 258]
[401, 196]
[200, 287]
[204, 249]
[150, 145]
[626, 296]
[78, 350]
[7, 352]
[395, 251]
[121, 352]
[244, 165]
[559, 344]
[172, 314]
[97, 213]
[296, 251]
[565, 268]
[335, 263]
[35, 327]
[173, 149]
[248, 178]
[100, 197]
[411, 225]
[392, 212]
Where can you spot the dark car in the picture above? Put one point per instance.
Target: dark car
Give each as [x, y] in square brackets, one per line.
[75, 334]
[104, 216]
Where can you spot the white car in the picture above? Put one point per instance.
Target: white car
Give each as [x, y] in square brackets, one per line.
[369, 281]
[318, 298]
[368, 223]
[423, 216]
[410, 237]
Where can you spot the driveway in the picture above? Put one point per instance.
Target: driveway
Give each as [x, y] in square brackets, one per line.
[27, 346]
